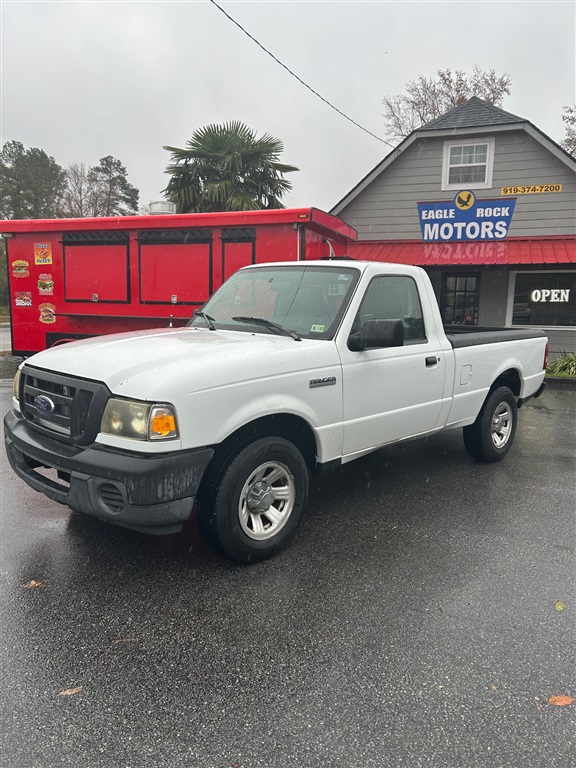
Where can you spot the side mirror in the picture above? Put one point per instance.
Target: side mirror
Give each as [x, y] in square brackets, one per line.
[377, 333]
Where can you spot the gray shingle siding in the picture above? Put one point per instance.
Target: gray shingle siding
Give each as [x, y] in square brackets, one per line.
[386, 208]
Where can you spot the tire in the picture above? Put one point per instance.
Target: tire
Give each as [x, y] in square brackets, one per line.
[252, 504]
[491, 436]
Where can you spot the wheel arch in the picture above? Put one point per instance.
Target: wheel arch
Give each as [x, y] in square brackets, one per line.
[510, 378]
[289, 426]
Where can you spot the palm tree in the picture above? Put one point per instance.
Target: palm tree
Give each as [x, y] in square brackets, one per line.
[227, 168]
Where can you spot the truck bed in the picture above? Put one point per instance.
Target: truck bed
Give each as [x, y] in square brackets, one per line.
[472, 335]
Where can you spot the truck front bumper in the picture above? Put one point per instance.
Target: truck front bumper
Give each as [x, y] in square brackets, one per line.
[151, 493]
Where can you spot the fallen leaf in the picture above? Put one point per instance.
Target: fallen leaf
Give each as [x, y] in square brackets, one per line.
[561, 701]
[559, 606]
[494, 687]
[32, 584]
[71, 691]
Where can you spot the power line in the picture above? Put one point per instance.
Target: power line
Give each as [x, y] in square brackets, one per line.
[259, 44]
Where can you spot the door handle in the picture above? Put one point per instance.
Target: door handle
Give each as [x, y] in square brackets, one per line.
[430, 361]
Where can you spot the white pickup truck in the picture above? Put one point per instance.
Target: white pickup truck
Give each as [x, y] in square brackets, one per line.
[288, 369]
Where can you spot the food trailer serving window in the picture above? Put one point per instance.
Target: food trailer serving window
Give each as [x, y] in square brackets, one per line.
[96, 266]
[545, 298]
[238, 249]
[175, 266]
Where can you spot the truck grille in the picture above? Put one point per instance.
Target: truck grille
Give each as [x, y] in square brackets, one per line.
[67, 408]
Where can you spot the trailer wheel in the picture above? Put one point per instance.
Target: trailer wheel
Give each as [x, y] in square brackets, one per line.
[251, 506]
[491, 436]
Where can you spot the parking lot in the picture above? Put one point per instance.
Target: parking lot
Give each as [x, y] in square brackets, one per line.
[423, 615]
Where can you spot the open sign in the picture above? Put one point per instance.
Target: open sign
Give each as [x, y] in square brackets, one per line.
[553, 295]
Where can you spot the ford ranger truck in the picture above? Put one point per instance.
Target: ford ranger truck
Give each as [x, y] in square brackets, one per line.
[288, 369]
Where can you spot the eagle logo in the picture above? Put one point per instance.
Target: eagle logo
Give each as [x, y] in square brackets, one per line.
[465, 200]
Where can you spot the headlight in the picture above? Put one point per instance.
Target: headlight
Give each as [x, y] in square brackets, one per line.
[138, 420]
[16, 385]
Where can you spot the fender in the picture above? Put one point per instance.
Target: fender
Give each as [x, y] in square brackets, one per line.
[329, 437]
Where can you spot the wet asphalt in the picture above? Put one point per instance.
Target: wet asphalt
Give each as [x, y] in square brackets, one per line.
[424, 615]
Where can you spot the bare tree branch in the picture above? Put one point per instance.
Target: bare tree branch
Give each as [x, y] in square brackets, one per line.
[427, 98]
[569, 141]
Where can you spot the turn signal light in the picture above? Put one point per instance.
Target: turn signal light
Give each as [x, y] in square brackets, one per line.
[162, 422]
[162, 425]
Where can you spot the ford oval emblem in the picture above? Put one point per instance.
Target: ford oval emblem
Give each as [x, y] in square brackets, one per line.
[44, 404]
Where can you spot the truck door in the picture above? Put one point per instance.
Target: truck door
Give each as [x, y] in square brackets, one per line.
[396, 392]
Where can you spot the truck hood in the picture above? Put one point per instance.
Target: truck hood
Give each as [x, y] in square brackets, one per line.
[146, 364]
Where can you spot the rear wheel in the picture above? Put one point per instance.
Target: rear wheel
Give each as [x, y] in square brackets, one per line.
[491, 436]
[253, 504]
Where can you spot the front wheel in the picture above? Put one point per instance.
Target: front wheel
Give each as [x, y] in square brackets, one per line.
[253, 505]
[492, 434]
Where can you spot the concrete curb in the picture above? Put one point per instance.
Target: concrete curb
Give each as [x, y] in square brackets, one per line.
[560, 382]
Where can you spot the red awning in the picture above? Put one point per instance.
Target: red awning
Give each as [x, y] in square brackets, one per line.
[520, 251]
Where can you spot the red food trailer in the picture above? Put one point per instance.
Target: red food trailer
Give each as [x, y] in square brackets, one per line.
[73, 278]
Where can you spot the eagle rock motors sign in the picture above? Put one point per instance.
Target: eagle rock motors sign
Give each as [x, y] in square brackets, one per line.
[465, 218]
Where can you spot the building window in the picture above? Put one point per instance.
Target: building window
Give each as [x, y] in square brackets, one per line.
[468, 164]
[459, 299]
[544, 299]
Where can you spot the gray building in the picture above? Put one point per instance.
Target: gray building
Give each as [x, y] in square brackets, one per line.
[486, 203]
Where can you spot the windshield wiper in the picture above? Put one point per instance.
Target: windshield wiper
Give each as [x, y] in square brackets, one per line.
[210, 322]
[268, 324]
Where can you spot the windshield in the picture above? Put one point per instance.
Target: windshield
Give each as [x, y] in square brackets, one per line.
[308, 301]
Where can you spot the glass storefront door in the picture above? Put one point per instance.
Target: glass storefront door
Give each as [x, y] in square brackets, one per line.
[459, 298]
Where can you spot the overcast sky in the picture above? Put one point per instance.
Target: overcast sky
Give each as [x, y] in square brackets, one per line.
[82, 80]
